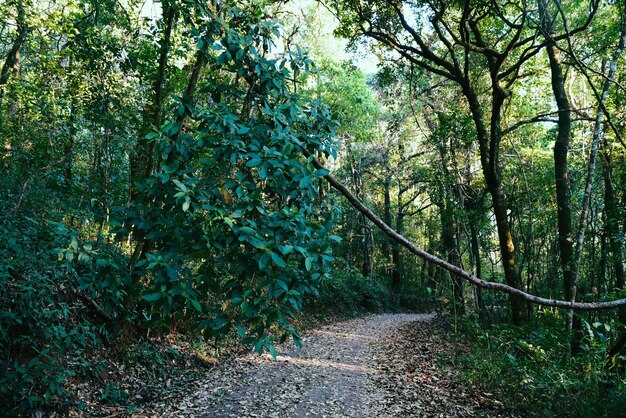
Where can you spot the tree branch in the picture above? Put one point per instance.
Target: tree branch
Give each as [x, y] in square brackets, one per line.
[358, 205]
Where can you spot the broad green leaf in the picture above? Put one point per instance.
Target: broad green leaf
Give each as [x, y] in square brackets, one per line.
[282, 285]
[272, 351]
[253, 162]
[277, 260]
[180, 185]
[263, 260]
[196, 305]
[152, 297]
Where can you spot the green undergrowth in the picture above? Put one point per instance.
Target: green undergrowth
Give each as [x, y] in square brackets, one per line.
[66, 344]
[347, 293]
[531, 371]
[48, 331]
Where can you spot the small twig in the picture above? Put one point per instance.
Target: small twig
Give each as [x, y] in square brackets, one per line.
[92, 303]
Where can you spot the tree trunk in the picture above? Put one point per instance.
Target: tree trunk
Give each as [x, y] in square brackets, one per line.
[365, 248]
[396, 279]
[142, 157]
[488, 144]
[561, 173]
[448, 232]
[68, 148]
[602, 263]
[475, 248]
[598, 134]
[12, 61]
[431, 272]
[452, 256]
[615, 237]
[357, 180]
[387, 243]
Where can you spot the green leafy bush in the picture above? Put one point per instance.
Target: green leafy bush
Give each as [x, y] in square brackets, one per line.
[233, 231]
[42, 326]
[60, 294]
[346, 292]
[531, 370]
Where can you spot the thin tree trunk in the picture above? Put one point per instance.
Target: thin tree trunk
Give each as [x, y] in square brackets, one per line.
[387, 217]
[488, 144]
[598, 134]
[448, 235]
[357, 180]
[142, 158]
[68, 149]
[450, 248]
[602, 263]
[424, 281]
[396, 256]
[396, 278]
[593, 253]
[431, 272]
[12, 61]
[615, 237]
[475, 248]
[365, 248]
[11, 67]
[561, 173]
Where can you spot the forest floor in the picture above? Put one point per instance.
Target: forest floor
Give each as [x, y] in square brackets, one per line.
[391, 365]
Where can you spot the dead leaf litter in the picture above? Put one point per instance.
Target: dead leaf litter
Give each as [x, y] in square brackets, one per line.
[389, 365]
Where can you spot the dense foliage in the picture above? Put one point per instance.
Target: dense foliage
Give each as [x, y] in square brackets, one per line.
[154, 181]
[229, 231]
[530, 370]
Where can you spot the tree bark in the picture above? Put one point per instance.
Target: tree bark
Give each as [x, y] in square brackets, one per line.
[68, 147]
[448, 232]
[598, 135]
[357, 180]
[475, 248]
[387, 243]
[561, 170]
[488, 147]
[561, 149]
[602, 262]
[451, 253]
[396, 278]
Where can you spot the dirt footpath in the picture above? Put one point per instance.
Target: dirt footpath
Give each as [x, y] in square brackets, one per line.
[379, 366]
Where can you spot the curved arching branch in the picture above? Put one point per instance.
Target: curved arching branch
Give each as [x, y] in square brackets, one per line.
[376, 220]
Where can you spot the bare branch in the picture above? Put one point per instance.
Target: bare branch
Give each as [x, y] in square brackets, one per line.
[358, 205]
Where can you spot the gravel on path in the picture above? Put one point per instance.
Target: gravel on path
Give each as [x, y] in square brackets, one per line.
[365, 367]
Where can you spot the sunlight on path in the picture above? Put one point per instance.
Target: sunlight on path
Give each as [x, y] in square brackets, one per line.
[331, 376]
